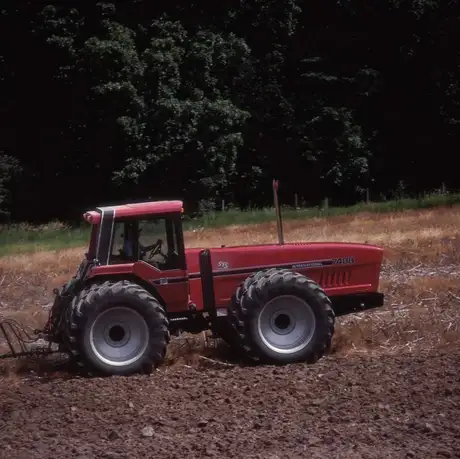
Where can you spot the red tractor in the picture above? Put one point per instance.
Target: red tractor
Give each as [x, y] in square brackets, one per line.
[138, 284]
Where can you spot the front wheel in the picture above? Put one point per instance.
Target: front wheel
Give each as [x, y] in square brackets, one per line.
[118, 328]
[283, 317]
[284, 325]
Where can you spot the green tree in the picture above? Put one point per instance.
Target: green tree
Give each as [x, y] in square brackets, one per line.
[332, 142]
[191, 128]
[10, 169]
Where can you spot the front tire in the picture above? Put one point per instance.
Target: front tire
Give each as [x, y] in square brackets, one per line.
[118, 328]
[283, 317]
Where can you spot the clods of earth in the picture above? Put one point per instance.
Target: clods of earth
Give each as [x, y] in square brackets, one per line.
[360, 406]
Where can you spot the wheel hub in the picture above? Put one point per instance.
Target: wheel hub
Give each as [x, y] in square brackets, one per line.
[286, 324]
[117, 333]
[282, 322]
[119, 336]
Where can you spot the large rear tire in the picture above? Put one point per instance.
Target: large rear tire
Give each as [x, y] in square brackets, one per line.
[118, 328]
[282, 317]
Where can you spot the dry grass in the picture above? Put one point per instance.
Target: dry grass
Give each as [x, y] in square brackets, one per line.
[420, 269]
[421, 313]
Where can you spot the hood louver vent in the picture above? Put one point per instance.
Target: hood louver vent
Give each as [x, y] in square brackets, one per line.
[334, 278]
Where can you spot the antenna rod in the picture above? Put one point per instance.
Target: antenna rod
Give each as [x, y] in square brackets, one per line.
[279, 222]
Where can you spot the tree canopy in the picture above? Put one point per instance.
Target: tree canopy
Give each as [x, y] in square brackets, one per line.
[204, 101]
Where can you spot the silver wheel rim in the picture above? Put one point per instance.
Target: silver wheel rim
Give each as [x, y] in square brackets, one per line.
[286, 324]
[119, 336]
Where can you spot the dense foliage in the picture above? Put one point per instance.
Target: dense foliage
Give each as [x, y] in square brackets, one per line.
[206, 101]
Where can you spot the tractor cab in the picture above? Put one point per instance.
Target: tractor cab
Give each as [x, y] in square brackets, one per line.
[143, 243]
[147, 232]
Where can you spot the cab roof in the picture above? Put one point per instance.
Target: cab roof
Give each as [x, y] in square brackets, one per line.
[139, 209]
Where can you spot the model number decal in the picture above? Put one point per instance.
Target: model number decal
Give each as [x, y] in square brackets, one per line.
[320, 263]
[222, 265]
[344, 261]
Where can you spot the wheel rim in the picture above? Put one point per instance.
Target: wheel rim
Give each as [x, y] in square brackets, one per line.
[119, 336]
[286, 324]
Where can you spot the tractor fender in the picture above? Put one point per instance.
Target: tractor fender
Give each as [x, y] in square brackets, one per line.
[132, 278]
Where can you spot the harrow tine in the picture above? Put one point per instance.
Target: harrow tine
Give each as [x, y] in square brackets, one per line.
[7, 338]
[19, 339]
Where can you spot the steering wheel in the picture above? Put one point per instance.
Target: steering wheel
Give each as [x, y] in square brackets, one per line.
[154, 250]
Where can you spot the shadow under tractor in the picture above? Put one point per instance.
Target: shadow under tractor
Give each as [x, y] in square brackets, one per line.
[138, 285]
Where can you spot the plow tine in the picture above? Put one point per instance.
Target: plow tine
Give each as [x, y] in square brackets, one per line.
[7, 338]
[18, 339]
[19, 328]
[15, 336]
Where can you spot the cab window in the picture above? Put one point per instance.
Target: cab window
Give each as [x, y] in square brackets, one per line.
[153, 241]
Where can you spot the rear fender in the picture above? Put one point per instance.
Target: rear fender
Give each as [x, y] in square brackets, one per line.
[129, 277]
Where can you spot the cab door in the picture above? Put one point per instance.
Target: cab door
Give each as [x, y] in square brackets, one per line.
[158, 256]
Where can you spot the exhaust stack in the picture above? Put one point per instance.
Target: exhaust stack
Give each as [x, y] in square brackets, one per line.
[279, 221]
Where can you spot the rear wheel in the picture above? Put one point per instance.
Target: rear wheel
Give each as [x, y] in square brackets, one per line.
[118, 328]
[283, 317]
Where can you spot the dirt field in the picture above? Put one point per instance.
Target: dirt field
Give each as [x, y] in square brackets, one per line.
[385, 407]
[390, 389]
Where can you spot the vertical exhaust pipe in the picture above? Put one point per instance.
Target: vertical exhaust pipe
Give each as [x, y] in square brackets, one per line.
[279, 221]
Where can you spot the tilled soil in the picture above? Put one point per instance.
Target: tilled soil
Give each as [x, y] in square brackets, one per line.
[367, 405]
[361, 406]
